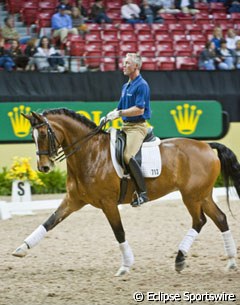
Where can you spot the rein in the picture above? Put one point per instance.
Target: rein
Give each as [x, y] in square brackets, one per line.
[52, 151]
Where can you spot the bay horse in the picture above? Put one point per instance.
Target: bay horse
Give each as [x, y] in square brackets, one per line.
[188, 165]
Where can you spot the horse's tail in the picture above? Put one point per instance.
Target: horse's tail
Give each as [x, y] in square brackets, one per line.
[230, 167]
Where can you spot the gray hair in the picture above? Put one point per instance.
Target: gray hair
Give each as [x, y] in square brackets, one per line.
[135, 58]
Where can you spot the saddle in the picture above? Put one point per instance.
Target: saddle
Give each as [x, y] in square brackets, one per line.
[148, 157]
[121, 143]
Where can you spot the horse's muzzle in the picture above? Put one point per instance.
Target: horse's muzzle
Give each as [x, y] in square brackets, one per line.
[44, 169]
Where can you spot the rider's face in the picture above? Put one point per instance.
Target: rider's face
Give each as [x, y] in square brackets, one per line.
[129, 66]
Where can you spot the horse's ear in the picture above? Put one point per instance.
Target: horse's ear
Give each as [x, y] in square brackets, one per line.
[27, 116]
[37, 116]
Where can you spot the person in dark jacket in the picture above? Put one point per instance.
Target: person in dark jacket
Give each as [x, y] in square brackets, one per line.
[6, 61]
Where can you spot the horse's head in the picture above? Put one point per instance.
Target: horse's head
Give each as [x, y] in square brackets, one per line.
[45, 141]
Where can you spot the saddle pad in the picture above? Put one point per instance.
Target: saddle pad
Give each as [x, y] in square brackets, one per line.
[151, 158]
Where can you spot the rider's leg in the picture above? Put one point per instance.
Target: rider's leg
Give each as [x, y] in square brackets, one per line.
[135, 134]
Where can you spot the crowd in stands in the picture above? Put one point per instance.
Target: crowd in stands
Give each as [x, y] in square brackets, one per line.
[169, 34]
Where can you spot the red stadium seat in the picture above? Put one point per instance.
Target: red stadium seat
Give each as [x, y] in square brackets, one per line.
[198, 38]
[29, 12]
[202, 18]
[127, 48]
[217, 7]
[168, 18]
[193, 29]
[158, 28]
[219, 17]
[197, 49]
[177, 29]
[77, 45]
[166, 63]
[148, 64]
[186, 63]
[108, 64]
[93, 59]
[146, 50]
[142, 29]
[202, 6]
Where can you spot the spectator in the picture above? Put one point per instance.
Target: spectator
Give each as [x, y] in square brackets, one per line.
[17, 55]
[217, 36]
[231, 39]
[78, 21]
[6, 61]
[186, 6]
[156, 5]
[233, 6]
[237, 55]
[29, 51]
[130, 12]
[68, 6]
[82, 9]
[62, 24]
[8, 31]
[226, 56]
[207, 58]
[168, 6]
[98, 13]
[47, 59]
[147, 13]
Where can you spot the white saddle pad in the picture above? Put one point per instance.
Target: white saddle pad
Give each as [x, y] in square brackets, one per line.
[151, 158]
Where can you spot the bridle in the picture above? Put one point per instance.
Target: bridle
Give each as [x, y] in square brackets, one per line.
[54, 144]
[52, 151]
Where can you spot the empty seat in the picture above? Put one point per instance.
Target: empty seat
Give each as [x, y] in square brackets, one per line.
[193, 29]
[202, 6]
[166, 63]
[148, 64]
[108, 64]
[186, 63]
[142, 29]
[93, 59]
[177, 29]
[146, 50]
[217, 7]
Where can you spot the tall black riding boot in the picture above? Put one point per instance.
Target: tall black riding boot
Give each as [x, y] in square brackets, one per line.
[136, 174]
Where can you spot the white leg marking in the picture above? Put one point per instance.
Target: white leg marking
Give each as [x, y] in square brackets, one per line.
[127, 258]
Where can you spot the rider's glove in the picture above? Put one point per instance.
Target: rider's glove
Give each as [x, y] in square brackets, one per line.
[115, 114]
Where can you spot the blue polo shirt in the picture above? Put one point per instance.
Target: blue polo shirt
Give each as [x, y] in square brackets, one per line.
[136, 93]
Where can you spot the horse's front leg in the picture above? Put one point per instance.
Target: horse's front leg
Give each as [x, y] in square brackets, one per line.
[112, 213]
[64, 210]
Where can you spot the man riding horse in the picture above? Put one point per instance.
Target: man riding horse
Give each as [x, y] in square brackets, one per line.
[134, 108]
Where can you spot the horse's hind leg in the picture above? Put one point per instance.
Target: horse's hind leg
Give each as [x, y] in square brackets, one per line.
[198, 221]
[220, 219]
[64, 210]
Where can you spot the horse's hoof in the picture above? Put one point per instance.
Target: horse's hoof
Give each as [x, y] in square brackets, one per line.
[232, 265]
[21, 251]
[179, 266]
[122, 270]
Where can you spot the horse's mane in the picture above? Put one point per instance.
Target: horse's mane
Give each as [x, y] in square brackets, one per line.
[72, 114]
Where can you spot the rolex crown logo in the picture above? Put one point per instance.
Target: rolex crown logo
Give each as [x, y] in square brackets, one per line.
[186, 118]
[21, 126]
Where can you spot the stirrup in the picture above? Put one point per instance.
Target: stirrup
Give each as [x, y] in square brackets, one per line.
[140, 199]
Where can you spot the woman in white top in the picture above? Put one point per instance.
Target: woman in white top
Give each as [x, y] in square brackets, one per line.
[47, 58]
[130, 12]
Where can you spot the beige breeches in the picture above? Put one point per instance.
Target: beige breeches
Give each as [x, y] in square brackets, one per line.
[62, 33]
[135, 134]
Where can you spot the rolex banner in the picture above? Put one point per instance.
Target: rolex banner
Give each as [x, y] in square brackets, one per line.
[194, 119]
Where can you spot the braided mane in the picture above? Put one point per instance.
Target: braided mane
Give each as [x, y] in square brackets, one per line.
[72, 114]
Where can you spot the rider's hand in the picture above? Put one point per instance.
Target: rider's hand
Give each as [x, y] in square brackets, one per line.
[115, 114]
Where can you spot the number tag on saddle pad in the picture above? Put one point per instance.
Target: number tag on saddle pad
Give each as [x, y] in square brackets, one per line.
[151, 159]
